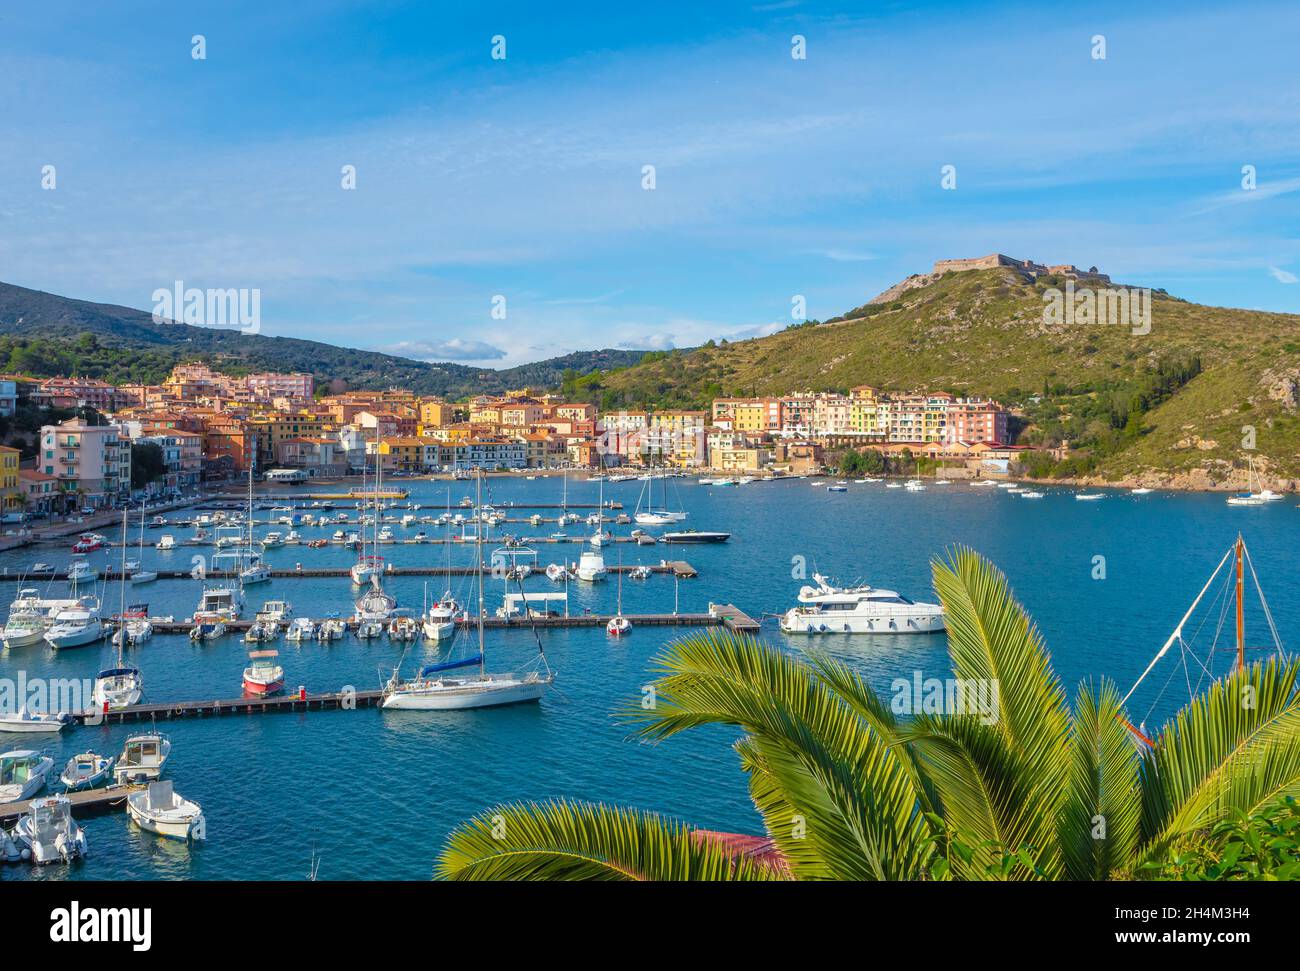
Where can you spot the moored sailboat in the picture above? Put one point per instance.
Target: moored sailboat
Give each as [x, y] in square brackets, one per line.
[435, 688]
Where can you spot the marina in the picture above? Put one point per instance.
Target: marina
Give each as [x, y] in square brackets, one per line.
[782, 535]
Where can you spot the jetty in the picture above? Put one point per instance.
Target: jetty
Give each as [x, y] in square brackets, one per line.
[88, 802]
[719, 615]
[247, 705]
[678, 568]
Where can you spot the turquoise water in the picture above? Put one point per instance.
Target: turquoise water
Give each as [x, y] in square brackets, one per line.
[374, 793]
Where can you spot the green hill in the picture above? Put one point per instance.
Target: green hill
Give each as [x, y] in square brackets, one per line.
[46, 335]
[1172, 402]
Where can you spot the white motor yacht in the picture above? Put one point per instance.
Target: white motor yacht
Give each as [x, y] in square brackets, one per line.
[591, 566]
[863, 609]
[76, 626]
[23, 630]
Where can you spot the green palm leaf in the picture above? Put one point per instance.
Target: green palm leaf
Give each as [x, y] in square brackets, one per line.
[991, 639]
[834, 795]
[1099, 824]
[578, 841]
[1233, 749]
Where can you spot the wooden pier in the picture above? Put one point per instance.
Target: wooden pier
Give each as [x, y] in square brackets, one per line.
[247, 705]
[88, 802]
[493, 622]
[679, 568]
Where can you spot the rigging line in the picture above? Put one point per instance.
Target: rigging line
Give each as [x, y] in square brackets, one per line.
[1268, 614]
[1172, 674]
[1177, 630]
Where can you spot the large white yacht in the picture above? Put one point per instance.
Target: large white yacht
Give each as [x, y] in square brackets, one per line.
[76, 626]
[826, 609]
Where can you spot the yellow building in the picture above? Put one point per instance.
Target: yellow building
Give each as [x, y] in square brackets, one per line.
[10, 489]
[272, 429]
[436, 414]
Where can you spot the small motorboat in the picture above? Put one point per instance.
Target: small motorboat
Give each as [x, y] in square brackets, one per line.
[207, 628]
[696, 536]
[257, 572]
[261, 631]
[49, 831]
[369, 629]
[837, 488]
[272, 540]
[80, 571]
[165, 542]
[159, 810]
[23, 773]
[1141, 491]
[640, 572]
[1089, 496]
[88, 770]
[143, 757]
[31, 722]
[275, 612]
[402, 626]
[557, 572]
[331, 629]
[88, 543]
[263, 676]
[301, 629]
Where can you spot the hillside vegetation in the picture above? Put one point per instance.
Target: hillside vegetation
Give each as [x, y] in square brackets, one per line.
[46, 335]
[1167, 406]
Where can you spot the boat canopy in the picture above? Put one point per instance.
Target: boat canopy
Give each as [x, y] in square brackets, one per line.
[117, 672]
[449, 665]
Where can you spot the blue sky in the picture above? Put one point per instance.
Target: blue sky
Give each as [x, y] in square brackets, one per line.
[775, 177]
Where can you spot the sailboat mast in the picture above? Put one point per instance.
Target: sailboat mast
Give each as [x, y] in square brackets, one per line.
[121, 595]
[1241, 617]
[478, 537]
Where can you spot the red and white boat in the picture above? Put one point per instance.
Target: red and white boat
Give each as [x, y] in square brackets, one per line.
[263, 676]
[88, 543]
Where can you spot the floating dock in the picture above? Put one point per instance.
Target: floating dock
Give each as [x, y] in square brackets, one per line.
[679, 568]
[720, 615]
[248, 705]
[727, 616]
[88, 802]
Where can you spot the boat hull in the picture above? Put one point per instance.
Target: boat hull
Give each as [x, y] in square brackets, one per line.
[176, 829]
[922, 622]
[459, 695]
[78, 638]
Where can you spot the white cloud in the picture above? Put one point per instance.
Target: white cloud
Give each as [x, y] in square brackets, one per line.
[456, 349]
[1283, 276]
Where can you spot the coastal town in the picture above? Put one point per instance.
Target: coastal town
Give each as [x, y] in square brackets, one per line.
[204, 426]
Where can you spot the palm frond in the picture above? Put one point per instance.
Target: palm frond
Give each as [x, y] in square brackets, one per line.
[579, 841]
[825, 768]
[1233, 749]
[988, 795]
[1099, 825]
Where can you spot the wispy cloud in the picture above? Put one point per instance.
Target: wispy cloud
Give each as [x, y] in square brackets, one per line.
[455, 349]
[1282, 276]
